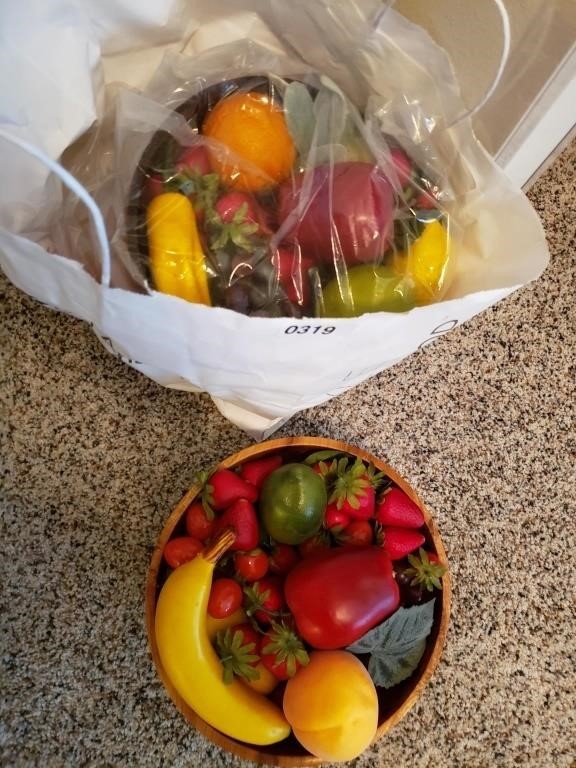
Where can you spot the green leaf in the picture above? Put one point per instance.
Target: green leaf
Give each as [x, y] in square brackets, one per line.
[397, 645]
[317, 456]
[388, 670]
[299, 114]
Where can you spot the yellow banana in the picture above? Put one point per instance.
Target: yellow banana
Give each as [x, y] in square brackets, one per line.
[192, 665]
[176, 256]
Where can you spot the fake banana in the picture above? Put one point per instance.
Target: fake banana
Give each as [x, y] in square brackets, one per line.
[192, 665]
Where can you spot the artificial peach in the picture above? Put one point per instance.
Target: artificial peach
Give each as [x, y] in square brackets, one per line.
[332, 706]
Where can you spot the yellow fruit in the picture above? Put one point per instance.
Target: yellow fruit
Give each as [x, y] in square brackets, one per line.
[427, 262]
[332, 706]
[215, 625]
[253, 128]
[176, 256]
[192, 665]
[265, 683]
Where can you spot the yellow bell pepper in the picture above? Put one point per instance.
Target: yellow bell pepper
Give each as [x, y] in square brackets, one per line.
[192, 665]
[176, 256]
[426, 261]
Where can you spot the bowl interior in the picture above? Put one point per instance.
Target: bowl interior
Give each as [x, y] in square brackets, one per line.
[395, 702]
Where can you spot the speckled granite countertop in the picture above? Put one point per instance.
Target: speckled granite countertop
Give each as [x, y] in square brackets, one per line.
[482, 423]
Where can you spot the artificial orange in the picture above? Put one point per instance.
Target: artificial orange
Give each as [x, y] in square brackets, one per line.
[258, 150]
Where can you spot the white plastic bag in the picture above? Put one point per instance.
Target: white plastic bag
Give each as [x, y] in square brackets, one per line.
[260, 371]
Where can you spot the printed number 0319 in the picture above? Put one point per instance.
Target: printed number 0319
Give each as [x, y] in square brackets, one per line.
[323, 329]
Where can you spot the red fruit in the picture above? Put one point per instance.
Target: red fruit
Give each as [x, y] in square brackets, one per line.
[241, 516]
[283, 558]
[315, 544]
[264, 599]
[257, 471]
[398, 509]
[252, 565]
[198, 522]
[425, 202]
[241, 208]
[237, 648]
[400, 171]
[350, 203]
[358, 534]
[353, 492]
[335, 519]
[225, 598]
[195, 160]
[292, 270]
[181, 549]
[225, 487]
[282, 652]
[399, 542]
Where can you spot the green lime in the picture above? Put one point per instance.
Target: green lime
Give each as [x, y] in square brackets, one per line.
[292, 503]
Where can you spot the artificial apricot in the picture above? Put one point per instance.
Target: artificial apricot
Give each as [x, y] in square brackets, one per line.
[332, 706]
[258, 151]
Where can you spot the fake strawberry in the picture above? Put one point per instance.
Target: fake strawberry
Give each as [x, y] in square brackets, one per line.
[236, 218]
[282, 651]
[264, 599]
[257, 471]
[358, 533]
[335, 519]
[223, 488]
[400, 170]
[397, 509]
[194, 160]
[292, 271]
[398, 542]
[242, 518]
[237, 648]
[283, 558]
[317, 543]
[425, 570]
[353, 489]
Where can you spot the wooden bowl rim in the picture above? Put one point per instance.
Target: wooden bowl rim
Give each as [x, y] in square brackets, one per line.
[241, 749]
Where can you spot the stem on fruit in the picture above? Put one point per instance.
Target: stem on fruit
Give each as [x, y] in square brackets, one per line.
[221, 545]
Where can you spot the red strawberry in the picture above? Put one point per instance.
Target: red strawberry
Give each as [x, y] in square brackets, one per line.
[154, 186]
[397, 509]
[358, 534]
[237, 648]
[257, 471]
[353, 491]
[195, 160]
[223, 488]
[283, 558]
[399, 542]
[317, 543]
[292, 270]
[401, 167]
[241, 516]
[282, 651]
[335, 519]
[264, 599]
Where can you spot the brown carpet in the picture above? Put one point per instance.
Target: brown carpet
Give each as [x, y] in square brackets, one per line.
[482, 423]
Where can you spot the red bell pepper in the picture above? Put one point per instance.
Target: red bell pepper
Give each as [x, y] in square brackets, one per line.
[338, 595]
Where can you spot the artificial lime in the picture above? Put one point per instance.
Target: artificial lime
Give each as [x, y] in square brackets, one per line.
[292, 503]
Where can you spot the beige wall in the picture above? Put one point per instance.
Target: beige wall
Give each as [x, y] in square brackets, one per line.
[543, 32]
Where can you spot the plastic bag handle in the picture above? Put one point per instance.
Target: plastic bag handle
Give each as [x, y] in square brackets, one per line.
[505, 19]
[74, 186]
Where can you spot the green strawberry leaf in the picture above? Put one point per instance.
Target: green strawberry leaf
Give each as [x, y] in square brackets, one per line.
[397, 645]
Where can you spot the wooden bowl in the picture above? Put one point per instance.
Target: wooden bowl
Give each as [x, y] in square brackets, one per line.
[395, 702]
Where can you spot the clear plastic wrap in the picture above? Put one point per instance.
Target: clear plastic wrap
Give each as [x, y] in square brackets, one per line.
[246, 180]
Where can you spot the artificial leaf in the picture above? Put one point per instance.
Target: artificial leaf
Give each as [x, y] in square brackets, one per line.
[330, 109]
[329, 154]
[300, 117]
[317, 456]
[398, 643]
[389, 669]
[406, 625]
